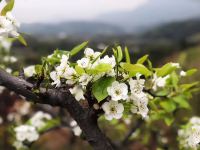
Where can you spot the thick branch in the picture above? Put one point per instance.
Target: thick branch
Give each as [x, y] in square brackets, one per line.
[86, 118]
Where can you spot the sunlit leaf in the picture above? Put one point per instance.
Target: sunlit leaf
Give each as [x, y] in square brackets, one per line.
[9, 6]
[142, 59]
[127, 55]
[191, 72]
[100, 68]
[79, 70]
[78, 48]
[133, 69]
[22, 40]
[165, 70]
[168, 105]
[99, 88]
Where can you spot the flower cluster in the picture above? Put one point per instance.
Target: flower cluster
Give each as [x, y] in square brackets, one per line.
[39, 119]
[111, 82]
[8, 26]
[30, 131]
[189, 135]
[89, 62]
[119, 91]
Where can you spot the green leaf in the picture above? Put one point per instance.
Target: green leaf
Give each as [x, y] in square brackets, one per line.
[168, 105]
[169, 120]
[38, 69]
[100, 68]
[79, 70]
[165, 70]
[142, 59]
[78, 48]
[127, 55]
[191, 72]
[182, 102]
[99, 88]
[133, 69]
[174, 79]
[119, 53]
[9, 6]
[49, 124]
[22, 40]
[186, 87]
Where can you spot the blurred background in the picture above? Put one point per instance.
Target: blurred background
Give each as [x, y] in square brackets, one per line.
[167, 30]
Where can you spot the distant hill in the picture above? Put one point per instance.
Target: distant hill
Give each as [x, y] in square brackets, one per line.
[177, 30]
[153, 13]
[72, 28]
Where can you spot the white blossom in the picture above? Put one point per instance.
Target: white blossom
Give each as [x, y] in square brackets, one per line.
[26, 132]
[118, 91]
[5, 43]
[10, 59]
[89, 53]
[84, 62]
[56, 78]
[39, 119]
[64, 60]
[189, 136]
[195, 120]
[84, 79]
[8, 26]
[183, 73]
[29, 71]
[137, 85]
[108, 60]
[140, 101]
[8, 70]
[19, 145]
[77, 91]
[75, 128]
[69, 74]
[111, 73]
[159, 82]
[112, 110]
[194, 137]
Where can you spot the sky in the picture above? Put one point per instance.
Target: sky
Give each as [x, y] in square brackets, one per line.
[54, 11]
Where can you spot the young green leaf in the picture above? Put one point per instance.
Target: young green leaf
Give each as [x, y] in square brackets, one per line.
[100, 68]
[128, 60]
[99, 88]
[182, 102]
[9, 6]
[142, 59]
[79, 70]
[191, 72]
[186, 87]
[168, 105]
[169, 120]
[78, 48]
[22, 40]
[119, 53]
[165, 70]
[133, 69]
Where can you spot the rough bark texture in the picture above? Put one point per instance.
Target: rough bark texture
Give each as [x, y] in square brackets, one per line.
[86, 118]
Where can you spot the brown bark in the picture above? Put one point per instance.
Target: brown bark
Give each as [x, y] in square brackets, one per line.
[86, 118]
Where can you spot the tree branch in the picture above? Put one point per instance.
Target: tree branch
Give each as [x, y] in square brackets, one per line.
[131, 131]
[86, 118]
